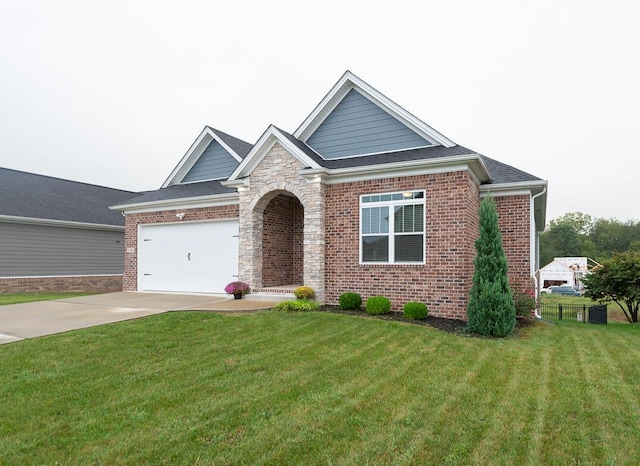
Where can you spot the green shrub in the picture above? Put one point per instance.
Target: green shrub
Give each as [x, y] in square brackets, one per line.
[304, 292]
[297, 306]
[378, 305]
[350, 301]
[414, 310]
[524, 302]
[490, 309]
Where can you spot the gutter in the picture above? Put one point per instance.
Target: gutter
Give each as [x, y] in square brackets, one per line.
[60, 223]
[535, 246]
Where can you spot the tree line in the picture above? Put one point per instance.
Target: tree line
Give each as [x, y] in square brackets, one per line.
[579, 235]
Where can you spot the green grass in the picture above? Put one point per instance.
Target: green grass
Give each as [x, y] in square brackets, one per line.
[319, 388]
[17, 298]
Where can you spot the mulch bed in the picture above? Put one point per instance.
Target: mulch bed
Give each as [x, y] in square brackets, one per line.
[457, 327]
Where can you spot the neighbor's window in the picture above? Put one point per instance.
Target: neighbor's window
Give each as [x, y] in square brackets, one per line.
[392, 227]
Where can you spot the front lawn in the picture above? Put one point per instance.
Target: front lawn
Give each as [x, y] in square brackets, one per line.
[319, 388]
[17, 298]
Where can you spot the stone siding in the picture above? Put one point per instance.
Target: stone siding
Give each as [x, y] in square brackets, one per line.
[279, 173]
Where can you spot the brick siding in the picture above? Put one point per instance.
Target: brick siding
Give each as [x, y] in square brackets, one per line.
[513, 219]
[282, 245]
[130, 279]
[451, 228]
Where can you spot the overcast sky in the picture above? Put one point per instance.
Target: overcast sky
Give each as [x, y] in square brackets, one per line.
[114, 92]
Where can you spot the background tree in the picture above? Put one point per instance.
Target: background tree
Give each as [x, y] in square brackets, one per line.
[581, 223]
[579, 235]
[618, 280]
[491, 310]
[561, 240]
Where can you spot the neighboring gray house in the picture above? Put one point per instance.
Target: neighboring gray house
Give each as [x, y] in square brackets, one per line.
[58, 235]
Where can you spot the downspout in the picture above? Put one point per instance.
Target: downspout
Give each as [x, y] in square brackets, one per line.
[535, 245]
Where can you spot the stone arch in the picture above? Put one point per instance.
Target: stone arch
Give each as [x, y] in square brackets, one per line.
[267, 192]
[279, 174]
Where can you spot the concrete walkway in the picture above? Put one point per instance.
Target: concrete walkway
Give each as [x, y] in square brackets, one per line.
[29, 320]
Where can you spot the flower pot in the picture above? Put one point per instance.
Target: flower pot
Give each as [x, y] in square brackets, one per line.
[237, 296]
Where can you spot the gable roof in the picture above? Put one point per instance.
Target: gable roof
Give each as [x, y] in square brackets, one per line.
[350, 81]
[307, 156]
[43, 198]
[233, 146]
[434, 152]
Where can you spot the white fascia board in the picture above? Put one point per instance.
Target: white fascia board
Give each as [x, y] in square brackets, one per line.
[193, 154]
[350, 81]
[472, 164]
[528, 186]
[260, 150]
[59, 223]
[214, 200]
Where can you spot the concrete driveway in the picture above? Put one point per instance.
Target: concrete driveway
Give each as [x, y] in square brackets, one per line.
[29, 320]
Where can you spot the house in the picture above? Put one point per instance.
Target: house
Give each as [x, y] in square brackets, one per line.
[59, 235]
[564, 271]
[362, 197]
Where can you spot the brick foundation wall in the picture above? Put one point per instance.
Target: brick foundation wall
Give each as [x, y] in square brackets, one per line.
[130, 278]
[282, 242]
[97, 283]
[451, 223]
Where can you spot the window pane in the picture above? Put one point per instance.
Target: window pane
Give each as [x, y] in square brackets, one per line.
[366, 221]
[418, 218]
[398, 217]
[409, 219]
[375, 220]
[375, 249]
[409, 248]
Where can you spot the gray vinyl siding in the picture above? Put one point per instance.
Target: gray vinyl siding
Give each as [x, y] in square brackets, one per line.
[357, 126]
[213, 164]
[35, 250]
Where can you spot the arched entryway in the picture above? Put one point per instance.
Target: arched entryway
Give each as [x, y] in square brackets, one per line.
[283, 241]
[282, 236]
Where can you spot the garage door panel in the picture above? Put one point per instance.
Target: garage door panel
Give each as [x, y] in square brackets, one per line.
[189, 257]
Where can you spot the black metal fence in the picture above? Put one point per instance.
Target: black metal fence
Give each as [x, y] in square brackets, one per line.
[574, 312]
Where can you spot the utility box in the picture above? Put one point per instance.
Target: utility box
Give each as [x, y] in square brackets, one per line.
[597, 314]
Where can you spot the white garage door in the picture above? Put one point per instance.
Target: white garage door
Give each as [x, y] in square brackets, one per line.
[199, 257]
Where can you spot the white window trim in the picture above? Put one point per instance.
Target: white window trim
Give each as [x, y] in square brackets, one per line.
[391, 234]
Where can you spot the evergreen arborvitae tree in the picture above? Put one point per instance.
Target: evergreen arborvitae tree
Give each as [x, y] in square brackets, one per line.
[491, 310]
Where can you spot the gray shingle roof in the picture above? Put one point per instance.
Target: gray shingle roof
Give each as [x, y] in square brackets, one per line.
[240, 147]
[500, 172]
[180, 191]
[503, 173]
[24, 194]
